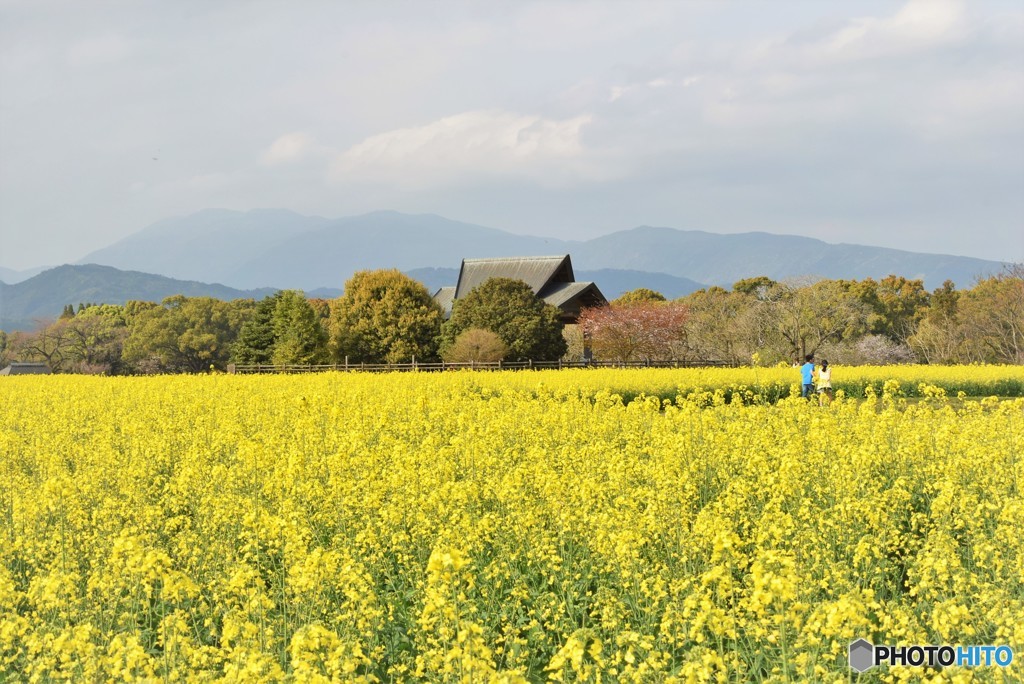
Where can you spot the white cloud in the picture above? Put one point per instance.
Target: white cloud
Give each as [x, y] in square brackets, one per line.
[919, 24]
[583, 116]
[289, 148]
[902, 72]
[468, 145]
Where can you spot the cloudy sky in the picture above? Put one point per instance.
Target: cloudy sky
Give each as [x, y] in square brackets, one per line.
[898, 124]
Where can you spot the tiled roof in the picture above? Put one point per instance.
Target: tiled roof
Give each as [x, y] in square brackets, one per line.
[444, 297]
[550, 278]
[534, 271]
[559, 293]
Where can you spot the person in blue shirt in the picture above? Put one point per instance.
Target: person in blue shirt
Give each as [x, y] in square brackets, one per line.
[807, 376]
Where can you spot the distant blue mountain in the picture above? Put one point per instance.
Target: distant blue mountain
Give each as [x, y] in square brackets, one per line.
[207, 246]
[282, 249]
[723, 259]
[253, 253]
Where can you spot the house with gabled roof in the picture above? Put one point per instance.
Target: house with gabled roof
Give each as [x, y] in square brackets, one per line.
[550, 277]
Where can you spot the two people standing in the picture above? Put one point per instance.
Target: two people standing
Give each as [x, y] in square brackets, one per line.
[810, 376]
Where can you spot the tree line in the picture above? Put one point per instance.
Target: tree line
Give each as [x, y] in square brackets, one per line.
[761, 321]
[386, 317]
[383, 316]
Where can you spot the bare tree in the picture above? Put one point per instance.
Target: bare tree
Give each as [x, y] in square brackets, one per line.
[49, 343]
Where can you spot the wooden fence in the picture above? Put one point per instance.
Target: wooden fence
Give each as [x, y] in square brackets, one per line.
[472, 365]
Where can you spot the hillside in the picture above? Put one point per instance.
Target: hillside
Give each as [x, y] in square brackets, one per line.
[44, 296]
[281, 249]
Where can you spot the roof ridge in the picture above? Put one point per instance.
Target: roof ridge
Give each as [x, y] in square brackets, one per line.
[523, 258]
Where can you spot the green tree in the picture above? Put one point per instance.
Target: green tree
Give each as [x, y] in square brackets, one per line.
[255, 342]
[641, 295]
[384, 316]
[897, 305]
[756, 287]
[135, 307]
[184, 334]
[526, 324]
[943, 302]
[298, 336]
[902, 305]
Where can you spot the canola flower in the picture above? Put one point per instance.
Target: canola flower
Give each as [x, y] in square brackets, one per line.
[590, 526]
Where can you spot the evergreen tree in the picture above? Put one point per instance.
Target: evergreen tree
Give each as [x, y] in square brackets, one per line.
[298, 336]
[255, 343]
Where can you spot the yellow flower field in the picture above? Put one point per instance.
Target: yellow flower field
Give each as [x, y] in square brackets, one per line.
[506, 527]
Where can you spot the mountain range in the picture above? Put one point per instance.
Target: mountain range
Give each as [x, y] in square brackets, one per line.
[282, 249]
[250, 254]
